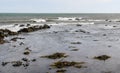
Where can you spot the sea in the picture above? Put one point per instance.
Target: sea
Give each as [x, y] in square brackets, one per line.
[12, 18]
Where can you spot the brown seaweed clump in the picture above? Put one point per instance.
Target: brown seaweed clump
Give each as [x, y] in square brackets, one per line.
[63, 64]
[102, 57]
[61, 71]
[4, 63]
[15, 39]
[16, 63]
[27, 51]
[55, 56]
[74, 49]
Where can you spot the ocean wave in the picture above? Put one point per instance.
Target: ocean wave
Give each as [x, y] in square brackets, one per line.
[94, 20]
[69, 18]
[38, 20]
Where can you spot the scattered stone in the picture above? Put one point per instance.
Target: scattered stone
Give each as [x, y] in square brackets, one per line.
[102, 57]
[61, 71]
[63, 64]
[55, 56]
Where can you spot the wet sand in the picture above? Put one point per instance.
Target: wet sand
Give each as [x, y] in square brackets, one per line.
[90, 40]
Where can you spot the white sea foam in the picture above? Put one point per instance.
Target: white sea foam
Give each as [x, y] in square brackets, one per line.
[69, 18]
[38, 20]
[95, 20]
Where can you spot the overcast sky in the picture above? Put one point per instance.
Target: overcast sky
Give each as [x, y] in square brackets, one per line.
[60, 6]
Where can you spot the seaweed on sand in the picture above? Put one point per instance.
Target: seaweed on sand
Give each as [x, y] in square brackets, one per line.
[61, 71]
[16, 63]
[63, 64]
[102, 57]
[55, 56]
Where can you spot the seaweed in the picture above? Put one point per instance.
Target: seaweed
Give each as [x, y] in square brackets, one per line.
[61, 71]
[63, 64]
[4, 63]
[16, 63]
[102, 57]
[55, 56]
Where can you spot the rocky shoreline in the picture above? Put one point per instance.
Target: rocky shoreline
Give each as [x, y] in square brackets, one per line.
[6, 32]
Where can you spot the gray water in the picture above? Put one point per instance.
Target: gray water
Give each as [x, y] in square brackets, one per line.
[6, 18]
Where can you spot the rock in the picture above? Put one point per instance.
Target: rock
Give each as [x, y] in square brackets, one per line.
[22, 25]
[33, 28]
[28, 25]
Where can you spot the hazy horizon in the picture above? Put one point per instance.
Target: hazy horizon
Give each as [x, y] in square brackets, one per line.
[62, 6]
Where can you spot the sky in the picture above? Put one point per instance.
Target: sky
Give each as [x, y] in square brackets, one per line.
[59, 6]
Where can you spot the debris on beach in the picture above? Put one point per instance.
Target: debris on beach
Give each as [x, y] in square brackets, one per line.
[102, 57]
[64, 64]
[55, 56]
